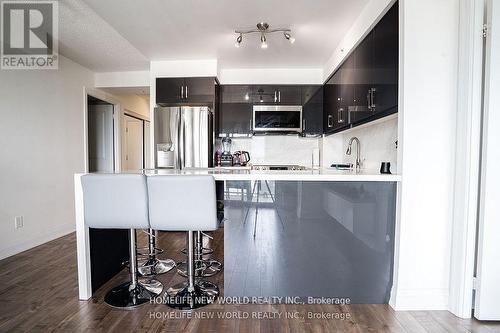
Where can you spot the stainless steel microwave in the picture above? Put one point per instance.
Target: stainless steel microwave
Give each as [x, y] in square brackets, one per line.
[277, 118]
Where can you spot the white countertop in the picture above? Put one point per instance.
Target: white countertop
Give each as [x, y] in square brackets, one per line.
[323, 174]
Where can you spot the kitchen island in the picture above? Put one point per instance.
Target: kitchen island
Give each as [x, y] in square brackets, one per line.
[301, 233]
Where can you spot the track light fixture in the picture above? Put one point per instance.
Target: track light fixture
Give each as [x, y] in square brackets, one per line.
[263, 29]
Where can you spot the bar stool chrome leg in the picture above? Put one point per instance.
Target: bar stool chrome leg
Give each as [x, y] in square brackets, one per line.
[132, 294]
[153, 265]
[191, 294]
[203, 267]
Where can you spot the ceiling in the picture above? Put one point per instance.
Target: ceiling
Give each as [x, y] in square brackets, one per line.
[127, 34]
[90, 41]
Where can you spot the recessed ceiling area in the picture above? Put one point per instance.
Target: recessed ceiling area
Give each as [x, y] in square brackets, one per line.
[139, 91]
[193, 29]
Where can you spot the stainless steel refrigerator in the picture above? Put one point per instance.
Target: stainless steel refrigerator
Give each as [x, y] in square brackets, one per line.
[183, 137]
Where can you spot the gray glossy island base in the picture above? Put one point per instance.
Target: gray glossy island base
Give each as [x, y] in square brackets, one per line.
[316, 239]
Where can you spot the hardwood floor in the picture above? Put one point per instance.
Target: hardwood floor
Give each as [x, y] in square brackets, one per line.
[38, 292]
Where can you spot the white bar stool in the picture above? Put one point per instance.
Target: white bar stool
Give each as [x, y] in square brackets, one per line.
[185, 203]
[119, 201]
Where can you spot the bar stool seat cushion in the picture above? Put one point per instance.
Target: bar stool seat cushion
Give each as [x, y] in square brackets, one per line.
[115, 201]
[182, 203]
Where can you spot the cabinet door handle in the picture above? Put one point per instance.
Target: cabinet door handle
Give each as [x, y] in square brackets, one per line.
[340, 113]
[275, 96]
[330, 121]
[186, 92]
[303, 125]
[279, 96]
[368, 99]
[182, 92]
[373, 91]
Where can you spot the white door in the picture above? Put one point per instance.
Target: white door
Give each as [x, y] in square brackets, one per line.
[133, 144]
[487, 301]
[100, 138]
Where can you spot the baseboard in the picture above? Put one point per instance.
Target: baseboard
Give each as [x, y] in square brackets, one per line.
[35, 241]
[420, 299]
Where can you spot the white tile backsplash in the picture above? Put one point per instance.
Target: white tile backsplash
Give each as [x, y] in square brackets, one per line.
[377, 145]
[277, 149]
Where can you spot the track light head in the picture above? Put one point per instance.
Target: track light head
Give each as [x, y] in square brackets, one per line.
[263, 42]
[238, 40]
[289, 37]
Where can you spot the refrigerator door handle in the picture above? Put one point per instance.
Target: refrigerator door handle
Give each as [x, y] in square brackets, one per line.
[181, 140]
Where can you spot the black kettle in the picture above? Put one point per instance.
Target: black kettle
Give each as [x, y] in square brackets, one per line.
[241, 158]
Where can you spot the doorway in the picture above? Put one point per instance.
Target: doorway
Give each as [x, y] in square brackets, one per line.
[100, 133]
[135, 143]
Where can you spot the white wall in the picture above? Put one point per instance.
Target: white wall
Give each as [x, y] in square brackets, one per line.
[271, 76]
[41, 147]
[134, 104]
[428, 117]
[183, 68]
[122, 79]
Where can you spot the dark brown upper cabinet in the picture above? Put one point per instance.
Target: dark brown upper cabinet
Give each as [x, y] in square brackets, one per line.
[312, 110]
[276, 94]
[235, 110]
[192, 90]
[237, 101]
[264, 94]
[334, 104]
[365, 86]
[386, 59]
[289, 95]
[169, 90]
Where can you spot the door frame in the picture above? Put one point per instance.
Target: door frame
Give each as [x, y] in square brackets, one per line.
[144, 118]
[486, 307]
[467, 158]
[117, 126]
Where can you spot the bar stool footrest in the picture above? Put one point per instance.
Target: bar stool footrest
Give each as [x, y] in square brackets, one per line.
[207, 269]
[156, 267]
[206, 251]
[144, 252]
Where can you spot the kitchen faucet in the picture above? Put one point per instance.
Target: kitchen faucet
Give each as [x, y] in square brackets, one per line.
[358, 151]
